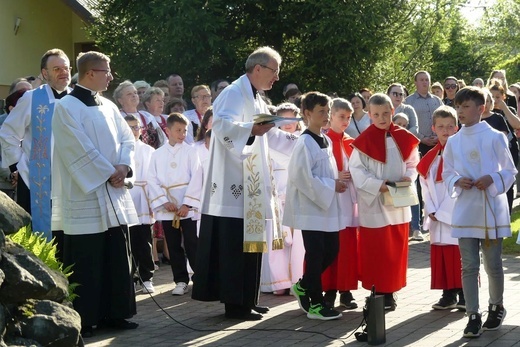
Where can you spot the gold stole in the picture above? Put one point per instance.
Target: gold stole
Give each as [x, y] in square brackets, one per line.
[255, 199]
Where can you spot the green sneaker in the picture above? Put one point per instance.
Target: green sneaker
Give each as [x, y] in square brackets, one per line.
[301, 295]
[321, 312]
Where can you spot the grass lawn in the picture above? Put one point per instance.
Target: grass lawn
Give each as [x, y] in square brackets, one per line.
[509, 245]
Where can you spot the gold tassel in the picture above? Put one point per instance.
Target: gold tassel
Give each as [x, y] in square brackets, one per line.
[176, 222]
[277, 244]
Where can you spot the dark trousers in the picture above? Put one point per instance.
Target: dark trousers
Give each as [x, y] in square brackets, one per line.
[224, 271]
[174, 238]
[321, 248]
[23, 195]
[141, 244]
[102, 268]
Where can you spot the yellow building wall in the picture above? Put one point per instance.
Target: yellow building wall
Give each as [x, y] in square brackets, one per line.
[45, 24]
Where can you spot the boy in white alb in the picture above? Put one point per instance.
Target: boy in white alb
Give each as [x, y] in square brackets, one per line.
[438, 206]
[478, 171]
[175, 192]
[312, 205]
[141, 234]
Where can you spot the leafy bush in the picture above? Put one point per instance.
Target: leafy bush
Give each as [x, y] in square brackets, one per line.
[45, 250]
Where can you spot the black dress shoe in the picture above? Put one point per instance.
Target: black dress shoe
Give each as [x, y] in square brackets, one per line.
[120, 324]
[87, 331]
[261, 309]
[244, 316]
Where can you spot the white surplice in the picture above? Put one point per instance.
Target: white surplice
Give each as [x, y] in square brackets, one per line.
[474, 152]
[282, 267]
[140, 192]
[89, 142]
[312, 201]
[193, 118]
[348, 199]
[224, 186]
[176, 177]
[437, 200]
[368, 176]
[16, 130]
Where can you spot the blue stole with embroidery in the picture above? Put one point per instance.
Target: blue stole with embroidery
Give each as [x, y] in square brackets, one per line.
[40, 162]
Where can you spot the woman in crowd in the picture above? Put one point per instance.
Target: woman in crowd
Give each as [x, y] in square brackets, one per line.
[451, 87]
[397, 94]
[127, 99]
[360, 120]
[501, 76]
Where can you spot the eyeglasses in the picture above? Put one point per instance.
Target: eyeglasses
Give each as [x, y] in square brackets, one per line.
[203, 97]
[136, 127]
[450, 86]
[106, 71]
[396, 94]
[58, 69]
[275, 71]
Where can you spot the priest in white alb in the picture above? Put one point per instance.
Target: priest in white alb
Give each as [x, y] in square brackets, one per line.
[239, 195]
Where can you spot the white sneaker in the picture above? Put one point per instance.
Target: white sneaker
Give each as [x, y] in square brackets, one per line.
[417, 236]
[180, 289]
[148, 287]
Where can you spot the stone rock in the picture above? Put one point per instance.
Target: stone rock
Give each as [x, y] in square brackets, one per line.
[50, 323]
[12, 216]
[2, 276]
[27, 277]
[21, 342]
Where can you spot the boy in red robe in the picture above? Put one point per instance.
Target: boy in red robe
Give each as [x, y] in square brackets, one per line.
[342, 274]
[383, 153]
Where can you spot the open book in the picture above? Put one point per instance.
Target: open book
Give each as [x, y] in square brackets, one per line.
[263, 118]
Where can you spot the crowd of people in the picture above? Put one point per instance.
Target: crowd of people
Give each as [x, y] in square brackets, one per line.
[310, 201]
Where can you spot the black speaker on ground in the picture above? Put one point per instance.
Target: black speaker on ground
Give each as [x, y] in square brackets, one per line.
[376, 319]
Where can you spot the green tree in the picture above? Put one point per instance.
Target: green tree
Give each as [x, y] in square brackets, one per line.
[326, 45]
[499, 31]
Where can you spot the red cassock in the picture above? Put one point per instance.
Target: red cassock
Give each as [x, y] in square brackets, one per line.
[445, 260]
[383, 251]
[342, 274]
[446, 267]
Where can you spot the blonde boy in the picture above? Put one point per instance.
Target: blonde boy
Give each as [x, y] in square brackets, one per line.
[438, 207]
[401, 119]
[383, 152]
[342, 274]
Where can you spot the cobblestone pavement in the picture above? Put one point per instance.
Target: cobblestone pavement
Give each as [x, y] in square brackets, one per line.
[413, 323]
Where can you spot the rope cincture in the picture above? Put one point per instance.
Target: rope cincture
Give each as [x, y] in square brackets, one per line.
[487, 242]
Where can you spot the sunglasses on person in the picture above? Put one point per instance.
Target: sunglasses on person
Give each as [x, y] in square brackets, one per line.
[450, 86]
[396, 94]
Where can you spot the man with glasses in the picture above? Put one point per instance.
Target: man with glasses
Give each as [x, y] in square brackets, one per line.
[26, 138]
[239, 202]
[201, 98]
[217, 87]
[93, 155]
